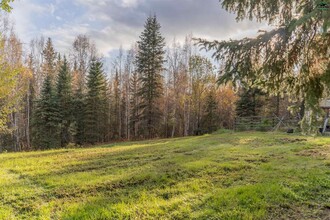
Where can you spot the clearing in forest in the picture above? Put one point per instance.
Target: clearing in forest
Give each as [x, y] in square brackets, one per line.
[225, 175]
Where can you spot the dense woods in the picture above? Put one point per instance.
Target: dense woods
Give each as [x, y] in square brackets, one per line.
[152, 90]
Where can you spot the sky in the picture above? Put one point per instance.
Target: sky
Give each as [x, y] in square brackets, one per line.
[114, 23]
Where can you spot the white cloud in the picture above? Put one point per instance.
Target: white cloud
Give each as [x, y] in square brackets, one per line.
[129, 3]
[64, 36]
[52, 9]
[111, 23]
[22, 14]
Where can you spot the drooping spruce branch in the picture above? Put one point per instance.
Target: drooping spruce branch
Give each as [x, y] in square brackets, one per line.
[293, 57]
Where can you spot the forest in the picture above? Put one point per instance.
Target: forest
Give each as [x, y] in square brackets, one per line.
[197, 127]
[153, 90]
[70, 99]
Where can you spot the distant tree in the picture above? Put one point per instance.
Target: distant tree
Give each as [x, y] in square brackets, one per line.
[291, 58]
[226, 99]
[96, 114]
[174, 89]
[36, 49]
[129, 69]
[14, 78]
[150, 60]
[29, 102]
[116, 106]
[64, 102]
[211, 118]
[8, 82]
[134, 103]
[82, 53]
[201, 70]
[79, 107]
[79, 114]
[249, 102]
[58, 63]
[46, 119]
[50, 58]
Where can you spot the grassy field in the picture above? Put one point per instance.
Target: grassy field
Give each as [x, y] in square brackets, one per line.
[220, 176]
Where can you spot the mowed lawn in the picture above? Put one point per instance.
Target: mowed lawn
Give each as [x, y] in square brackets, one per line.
[220, 176]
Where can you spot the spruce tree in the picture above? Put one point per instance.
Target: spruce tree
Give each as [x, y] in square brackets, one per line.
[78, 106]
[97, 109]
[79, 113]
[65, 102]
[150, 60]
[249, 102]
[211, 117]
[105, 108]
[46, 118]
[50, 59]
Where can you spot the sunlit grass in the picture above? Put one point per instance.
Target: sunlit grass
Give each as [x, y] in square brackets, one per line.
[221, 176]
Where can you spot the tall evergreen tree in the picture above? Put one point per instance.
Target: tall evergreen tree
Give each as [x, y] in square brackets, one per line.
[150, 60]
[50, 59]
[78, 106]
[79, 113]
[46, 118]
[96, 105]
[211, 119]
[65, 102]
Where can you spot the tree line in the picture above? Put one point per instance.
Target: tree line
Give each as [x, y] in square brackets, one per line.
[156, 90]
[152, 90]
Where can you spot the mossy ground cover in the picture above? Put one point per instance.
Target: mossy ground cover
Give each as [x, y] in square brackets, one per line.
[225, 175]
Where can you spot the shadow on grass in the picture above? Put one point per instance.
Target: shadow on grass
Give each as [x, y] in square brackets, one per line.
[202, 177]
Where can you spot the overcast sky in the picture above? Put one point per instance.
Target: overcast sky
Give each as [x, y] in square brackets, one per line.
[111, 23]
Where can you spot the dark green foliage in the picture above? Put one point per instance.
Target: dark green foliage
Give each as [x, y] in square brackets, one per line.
[211, 116]
[49, 64]
[65, 102]
[79, 109]
[97, 105]
[249, 103]
[291, 59]
[46, 119]
[149, 60]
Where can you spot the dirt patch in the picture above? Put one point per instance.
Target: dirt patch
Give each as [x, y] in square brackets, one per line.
[291, 140]
[257, 161]
[323, 153]
[289, 211]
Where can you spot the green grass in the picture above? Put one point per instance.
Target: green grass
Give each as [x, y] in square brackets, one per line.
[220, 176]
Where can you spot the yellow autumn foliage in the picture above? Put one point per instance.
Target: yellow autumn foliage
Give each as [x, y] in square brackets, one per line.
[13, 85]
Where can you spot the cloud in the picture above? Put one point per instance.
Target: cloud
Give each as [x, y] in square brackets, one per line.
[111, 23]
[129, 3]
[23, 15]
